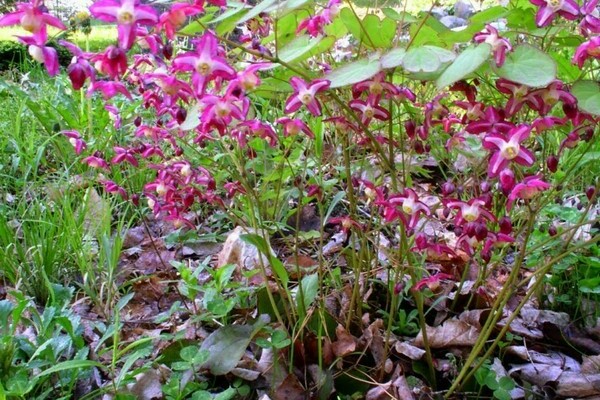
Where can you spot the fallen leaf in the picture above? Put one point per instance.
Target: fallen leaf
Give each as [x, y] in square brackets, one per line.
[345, 343]
[226, 347]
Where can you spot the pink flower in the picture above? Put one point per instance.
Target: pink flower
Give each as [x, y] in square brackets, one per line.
[375, 86]
[431, 282]
[305, 95]
[590, 23]
[470, 211]
[346, 223]
[112, 187]
[176, 16]
[33, 19]
[527, 189]
[124, 155]
[499, 45]
[369, 109]
[206, 63]
[76, 140]
[549, 8]
[518, 95]
[505, 150]
[543, 100]
[127, 14]
[493, 121]
[112, 62]
[95, 162]
[43, 54]
[312, 25]
[109, 89]
[410, 205]
[80, 69]
[588, 49]
[292, 127]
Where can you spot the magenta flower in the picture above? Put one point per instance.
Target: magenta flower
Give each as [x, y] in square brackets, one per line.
[75, 139]
[527, 189]
[171, 20]
[590, 23]
[80, 69]
[112, 187]
[43, 54]
[127, 14]
[33, 19]
[518, 95]
[206, 63]
[346, 223]
[305, 95]
[369, 109]
[499, 45]
[375, 86]
[112, 62]
[507, 180]
[410, 205]
[505, 150]
[312, 25]
[292, 127]
[470, 211]
[124, 155]
[95, 162]
[549, 8]
[543, 100]
[431, 282]
[109, 89]
[219, 111]
[493, 121]
[588, 49]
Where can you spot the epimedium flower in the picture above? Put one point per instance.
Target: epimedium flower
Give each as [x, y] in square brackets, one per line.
[95, 162]
[170, 21]
[112, 62]
[471, 211]
[128, 14]
[548, 9]
[305, 94]
[410, 205]
[528, 189]
[507, 149]
[492, 121]
[293, 126]
[499, 45]
[41, 53]
[432, 282]
[588, 49]
[543, 100]
[109, 89]
[80, 68]
[518, 95]
[590, 23]
[369, 109]
[32, 18]
[206, 63]
[76, 140]
[376, 86]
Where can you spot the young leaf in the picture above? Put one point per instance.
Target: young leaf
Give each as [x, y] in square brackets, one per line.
[297, 48]
[466, 63]
[393, 58]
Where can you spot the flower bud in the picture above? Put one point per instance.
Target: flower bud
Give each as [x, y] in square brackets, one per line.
[507, 180]
[552, 231]
[505, 225]
[590, 192]
[552, 163]
[448, 188]
[485, 187]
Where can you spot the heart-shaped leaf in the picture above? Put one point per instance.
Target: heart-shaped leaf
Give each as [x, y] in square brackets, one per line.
[466, 63]
[587, 94]
[354, 72]
[529, 66]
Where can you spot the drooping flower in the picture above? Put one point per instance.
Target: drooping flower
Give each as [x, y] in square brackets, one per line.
[499, 45]
[41, 53]
[128, 14]
[80, 68]
[567, 9]
[506, 149]
[171, 20]
[544, 99]
[376, 86]
[76, 140]
[590, 23]
[112, 62]
[432, 282]
[409, 205]
[588, 49]
[493, 121]
[292, 127]
[527, 189]
[305, 94]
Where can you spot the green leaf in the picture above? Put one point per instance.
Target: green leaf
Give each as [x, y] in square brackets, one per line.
[310, 288]
[393, 58]
[281, 9]
[229, 13]
[354, 72]
[529, 66]
[261, 244]
[399, 16]
[466, 63]
[257, 9]
[226, 347]
[421, 59]
[379, 32]
[71, 364]
[588, 96]
[489, 15]
[301, 46]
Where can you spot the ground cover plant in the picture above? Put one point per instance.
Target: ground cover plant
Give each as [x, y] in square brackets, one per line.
[300, 199]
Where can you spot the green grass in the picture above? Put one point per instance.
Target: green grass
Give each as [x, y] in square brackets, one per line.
[100, 37]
